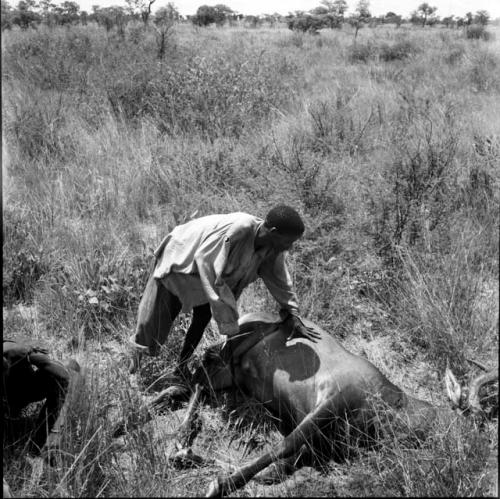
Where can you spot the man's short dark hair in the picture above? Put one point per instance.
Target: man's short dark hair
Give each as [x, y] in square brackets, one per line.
[285, 219]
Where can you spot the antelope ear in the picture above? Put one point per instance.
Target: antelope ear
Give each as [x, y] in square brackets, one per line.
[453, 387]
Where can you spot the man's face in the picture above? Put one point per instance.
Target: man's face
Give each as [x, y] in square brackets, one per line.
[282, 242]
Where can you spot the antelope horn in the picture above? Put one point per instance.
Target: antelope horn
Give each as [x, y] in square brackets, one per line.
[476, 384]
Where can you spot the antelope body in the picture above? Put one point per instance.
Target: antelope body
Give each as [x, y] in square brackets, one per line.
[319, 391]
[298, 378]
[316, 390]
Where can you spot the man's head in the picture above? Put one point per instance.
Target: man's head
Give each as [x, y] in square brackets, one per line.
[282, 227]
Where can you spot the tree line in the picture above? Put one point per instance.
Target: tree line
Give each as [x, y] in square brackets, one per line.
[31, 13]
[329, 14]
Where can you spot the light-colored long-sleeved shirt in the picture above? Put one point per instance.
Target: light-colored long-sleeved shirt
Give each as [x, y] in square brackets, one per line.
[212, 259]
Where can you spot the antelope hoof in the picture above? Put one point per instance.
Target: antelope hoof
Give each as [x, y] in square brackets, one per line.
[185, 458]
[170, 398]
[214, 489]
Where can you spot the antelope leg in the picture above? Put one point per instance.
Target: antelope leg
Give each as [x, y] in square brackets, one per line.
[188, 431]
[290, 446]
[190, 428]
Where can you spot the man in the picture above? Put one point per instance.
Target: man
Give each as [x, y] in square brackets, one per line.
[205, 265]
[29, 375]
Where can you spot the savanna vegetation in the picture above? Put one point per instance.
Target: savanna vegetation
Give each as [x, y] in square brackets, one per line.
[387, 142]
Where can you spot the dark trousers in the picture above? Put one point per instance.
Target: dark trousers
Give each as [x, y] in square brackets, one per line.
[157, 311]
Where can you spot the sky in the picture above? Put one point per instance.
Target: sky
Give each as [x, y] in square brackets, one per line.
[377, 7]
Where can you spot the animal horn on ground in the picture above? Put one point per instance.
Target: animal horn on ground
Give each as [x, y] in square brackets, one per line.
[476, 384]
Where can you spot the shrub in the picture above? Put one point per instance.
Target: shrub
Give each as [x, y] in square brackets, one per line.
[477, 32]
[421, 183]
[50, 61]
[484, 72]
[218, 96]
[398, 51]
[297, 39]
[24, 261]
[361, 52]
[37, 124]
[306, 24]
[455, 54]
[93, 295]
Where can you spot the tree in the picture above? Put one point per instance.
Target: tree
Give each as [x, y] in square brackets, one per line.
[340, 8]
[307, 23]
[252, 21]
[6, 15]
[164, 21]
[206, 15]
[433, 20]
[67, 12]
[222, 13]
[422, 14]
[360, 17]
[363, 10]
[392, 18]
[271, 19]
[448, 21]
[336, 7]
[140, 8]
[167, 15]
[48, 12]
[482, 17]
[24, 15]
[332, 12]
[110, 17]
[319, 11]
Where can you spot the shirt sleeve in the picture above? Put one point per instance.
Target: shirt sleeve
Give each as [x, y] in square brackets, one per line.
[211, 259]
[274, 273]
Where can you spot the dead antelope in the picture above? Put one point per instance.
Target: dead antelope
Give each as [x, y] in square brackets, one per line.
[314, 389]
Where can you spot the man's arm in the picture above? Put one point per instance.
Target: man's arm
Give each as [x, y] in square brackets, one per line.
[211, 260]
[274, 272]
[277, 278]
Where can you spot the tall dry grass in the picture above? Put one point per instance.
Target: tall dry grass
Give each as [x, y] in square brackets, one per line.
[390, 150]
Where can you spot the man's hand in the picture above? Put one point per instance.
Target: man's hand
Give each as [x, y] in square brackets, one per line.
[298, 329]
